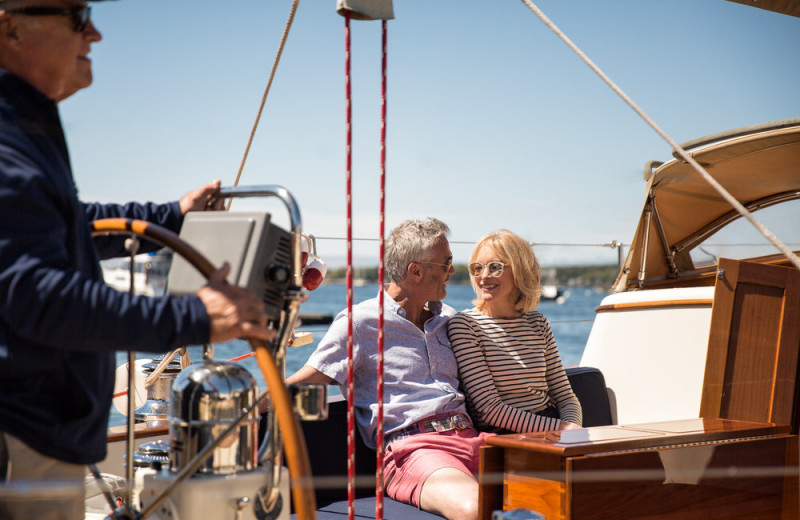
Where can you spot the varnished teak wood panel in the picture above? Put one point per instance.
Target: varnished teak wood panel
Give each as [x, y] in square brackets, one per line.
[752, 362]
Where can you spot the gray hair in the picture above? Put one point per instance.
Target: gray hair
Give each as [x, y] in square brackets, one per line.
[409, 242]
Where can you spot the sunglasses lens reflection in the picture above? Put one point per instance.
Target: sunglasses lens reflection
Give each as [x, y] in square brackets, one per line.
[80, 18]
[494, 268]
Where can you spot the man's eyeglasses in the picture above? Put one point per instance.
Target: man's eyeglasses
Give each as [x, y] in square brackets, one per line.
[446, 266]
[493, 268]
[78, 15]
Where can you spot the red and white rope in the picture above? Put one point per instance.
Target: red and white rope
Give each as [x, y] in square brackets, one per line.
[379, 484]
[351, 424]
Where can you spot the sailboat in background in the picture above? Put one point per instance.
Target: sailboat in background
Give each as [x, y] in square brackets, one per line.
[149, 271]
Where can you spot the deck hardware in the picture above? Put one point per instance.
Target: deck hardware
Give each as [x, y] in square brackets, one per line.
[517, 514]
[241, 503]
[310, 401]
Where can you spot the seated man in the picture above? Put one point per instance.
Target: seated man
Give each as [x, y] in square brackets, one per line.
[431, 447]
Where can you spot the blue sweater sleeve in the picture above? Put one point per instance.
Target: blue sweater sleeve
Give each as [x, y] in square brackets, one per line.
[166, 215]
[51, 287]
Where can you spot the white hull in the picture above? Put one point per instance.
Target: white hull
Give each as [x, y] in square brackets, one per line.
[651, 348]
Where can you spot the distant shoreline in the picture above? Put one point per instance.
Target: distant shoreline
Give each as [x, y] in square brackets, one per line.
[595, 276]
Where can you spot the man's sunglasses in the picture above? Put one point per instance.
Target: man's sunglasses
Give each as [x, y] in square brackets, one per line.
[493, 268]
[78, 15]
[446, 266]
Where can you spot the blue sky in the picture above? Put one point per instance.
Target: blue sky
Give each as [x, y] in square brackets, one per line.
[492, 121]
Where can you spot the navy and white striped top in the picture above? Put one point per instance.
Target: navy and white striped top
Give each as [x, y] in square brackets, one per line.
[510, 369]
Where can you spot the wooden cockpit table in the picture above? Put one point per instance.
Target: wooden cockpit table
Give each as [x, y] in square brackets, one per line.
[690, 469]
[739, 461]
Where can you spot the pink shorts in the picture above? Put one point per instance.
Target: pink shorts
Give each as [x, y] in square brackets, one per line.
[408, 462]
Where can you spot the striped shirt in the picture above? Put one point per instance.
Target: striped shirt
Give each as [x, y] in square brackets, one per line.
[510, 369]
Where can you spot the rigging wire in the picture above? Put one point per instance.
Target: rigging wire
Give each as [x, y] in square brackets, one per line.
[612, 244]
[675, 146]
[323, 331]
[277, 60]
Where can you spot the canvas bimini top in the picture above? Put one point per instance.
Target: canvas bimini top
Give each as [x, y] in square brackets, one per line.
[758, 165]
[790, 7]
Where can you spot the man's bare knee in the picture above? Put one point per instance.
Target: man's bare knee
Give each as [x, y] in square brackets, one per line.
[451, 493]
[465, 508]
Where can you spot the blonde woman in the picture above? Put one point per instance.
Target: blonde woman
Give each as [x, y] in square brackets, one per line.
[507, 358]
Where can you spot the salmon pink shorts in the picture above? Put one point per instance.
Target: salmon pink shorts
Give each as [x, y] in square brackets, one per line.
[409, 461]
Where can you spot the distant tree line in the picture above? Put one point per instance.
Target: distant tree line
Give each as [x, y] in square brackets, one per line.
[602, 276]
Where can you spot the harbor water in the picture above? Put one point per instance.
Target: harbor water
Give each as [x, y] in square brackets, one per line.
[570, 318]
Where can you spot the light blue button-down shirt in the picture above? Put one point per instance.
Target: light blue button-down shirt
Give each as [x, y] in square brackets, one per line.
[420, 369]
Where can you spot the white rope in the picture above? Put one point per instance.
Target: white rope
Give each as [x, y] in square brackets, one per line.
[684, 155]
[153, 376]
[277, 60]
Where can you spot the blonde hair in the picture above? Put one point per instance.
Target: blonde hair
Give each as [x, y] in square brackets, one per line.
[516, 253]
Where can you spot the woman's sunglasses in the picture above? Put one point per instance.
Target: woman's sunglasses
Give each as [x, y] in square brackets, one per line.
[493, 268]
